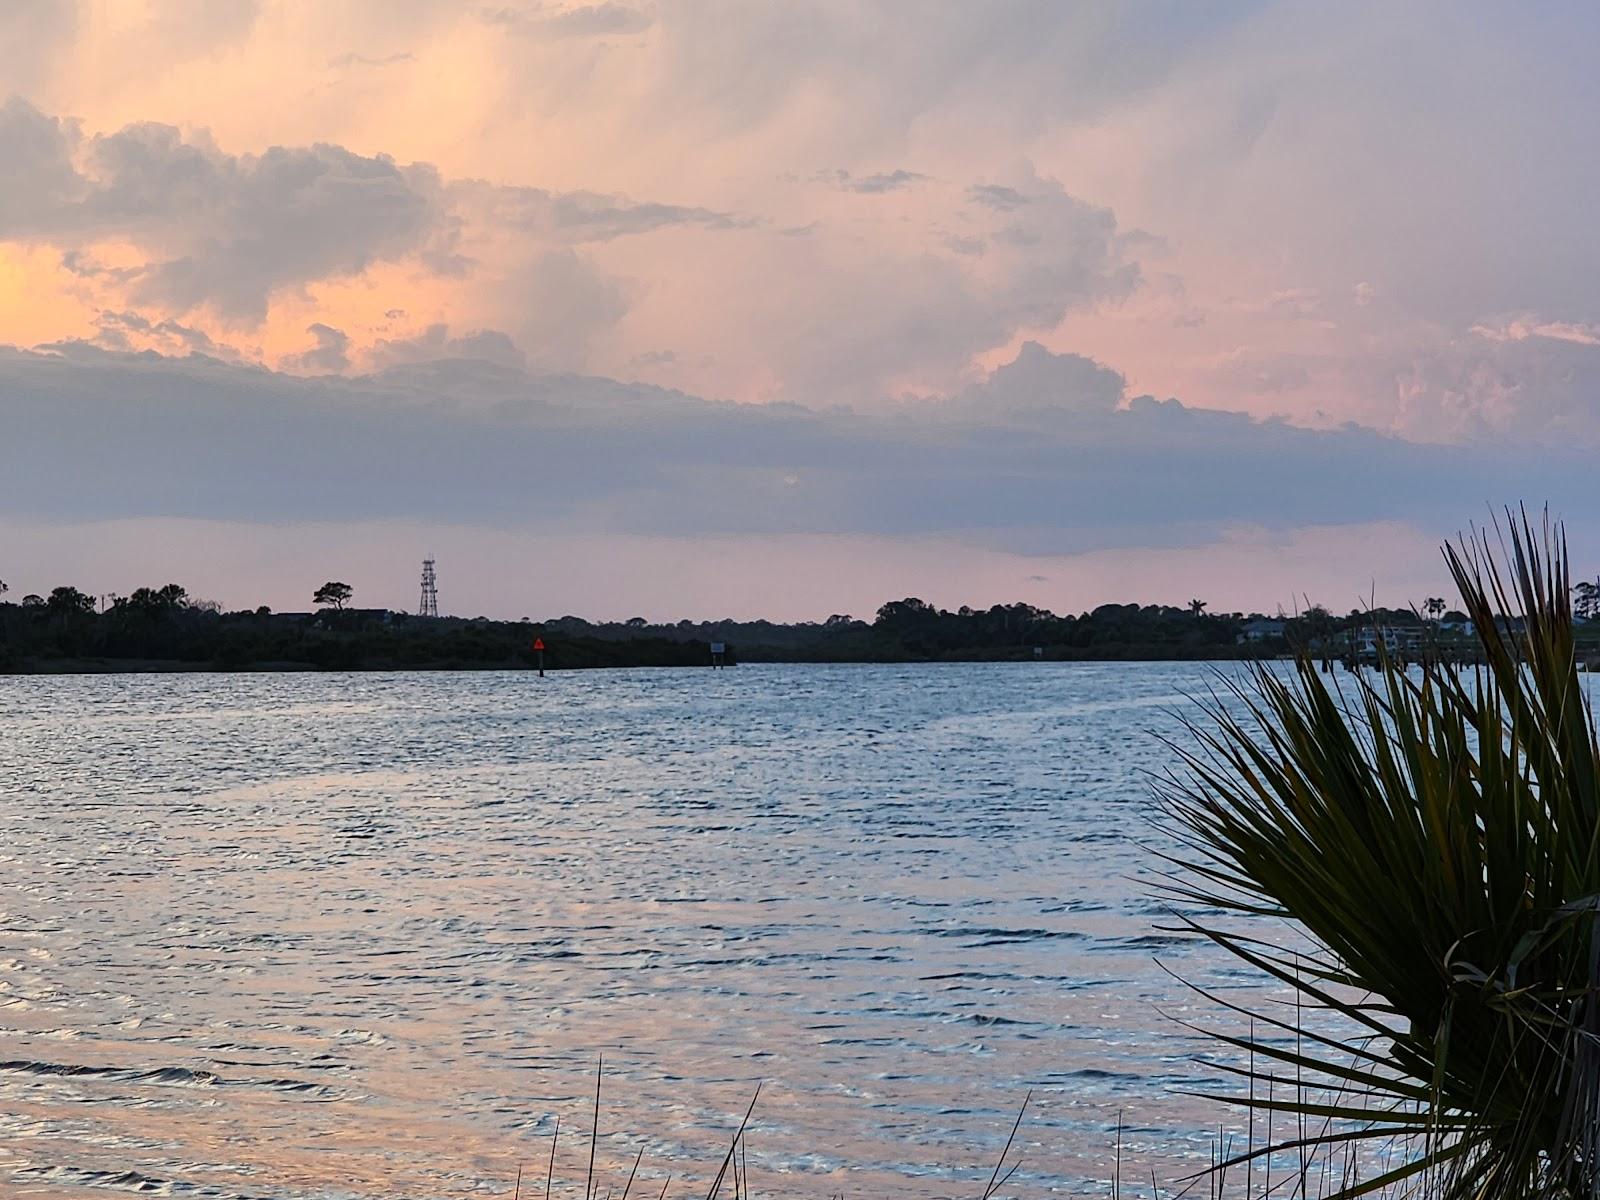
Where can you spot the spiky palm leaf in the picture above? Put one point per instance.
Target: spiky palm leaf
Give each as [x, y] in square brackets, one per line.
[1437, 837]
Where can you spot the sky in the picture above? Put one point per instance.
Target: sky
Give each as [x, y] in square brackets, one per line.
[726, 309]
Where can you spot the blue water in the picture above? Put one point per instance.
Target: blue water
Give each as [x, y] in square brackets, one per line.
[323, 936]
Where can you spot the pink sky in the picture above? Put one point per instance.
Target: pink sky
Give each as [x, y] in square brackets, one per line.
[1363, 214]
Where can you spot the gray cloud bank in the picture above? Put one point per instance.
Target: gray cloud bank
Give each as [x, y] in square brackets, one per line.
[1045, 456]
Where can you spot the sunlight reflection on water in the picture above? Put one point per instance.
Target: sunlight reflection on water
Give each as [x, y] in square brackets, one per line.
[320, 936]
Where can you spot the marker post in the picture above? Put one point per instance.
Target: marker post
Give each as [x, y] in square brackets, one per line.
[538, 648]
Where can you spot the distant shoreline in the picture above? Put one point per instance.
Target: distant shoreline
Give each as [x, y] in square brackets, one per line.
[161, 631]
[131, 666]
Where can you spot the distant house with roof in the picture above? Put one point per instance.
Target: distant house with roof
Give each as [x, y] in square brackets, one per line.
[353, 618]
[380, 616]
[1262, 629]
[1397, 638]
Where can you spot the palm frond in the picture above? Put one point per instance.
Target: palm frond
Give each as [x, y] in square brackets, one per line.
[1436, 836]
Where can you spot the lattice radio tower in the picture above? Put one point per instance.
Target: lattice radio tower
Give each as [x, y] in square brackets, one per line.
[430, 591]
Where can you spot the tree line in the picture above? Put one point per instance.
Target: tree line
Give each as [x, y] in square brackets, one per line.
[165, 626]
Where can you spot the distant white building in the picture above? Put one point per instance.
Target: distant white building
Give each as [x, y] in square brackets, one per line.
[1405, 639]
[1371, 639]
[1261, 630]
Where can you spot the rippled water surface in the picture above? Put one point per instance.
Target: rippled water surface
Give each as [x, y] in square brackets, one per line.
[342, 936]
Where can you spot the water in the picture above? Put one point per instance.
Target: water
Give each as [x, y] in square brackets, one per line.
[285, 937]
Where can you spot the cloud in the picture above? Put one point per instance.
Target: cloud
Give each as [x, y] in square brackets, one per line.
[1038, 381]
[582, 21]
[883, 181]
[153, 219]
[653, 358]
[1521, 328]
[561, 302]
[993, 195]
[912, 315]
[1038, 459]
[129, 330]
[361, 60]
[594, 20]
[576, 218]
[221, 230]
[879, 78]
[1259, 143]
[435, 343]
[330, 354]
[32, 34]
[1528, 381]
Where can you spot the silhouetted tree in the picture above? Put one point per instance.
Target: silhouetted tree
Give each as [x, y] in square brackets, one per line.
[69, 601]
[1312, 628]
[1197, 607]
[903, 612]
[334, 593]
[153, 602]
